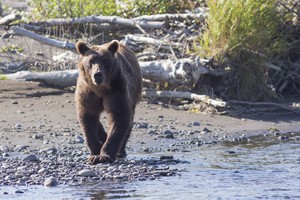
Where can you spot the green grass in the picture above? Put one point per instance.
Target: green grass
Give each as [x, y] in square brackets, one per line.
[3, 77]
[241, 36]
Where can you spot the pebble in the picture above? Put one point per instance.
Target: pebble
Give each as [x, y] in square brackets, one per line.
[17, 126]
[49, 150]
[4, 148]
[164, 157]
[168, 132]
[31, 157]
[141, 125]
[206, 130]
[21, 147]
[5, 154]
[14, 102]
[87, 173]
[51, 182]
[79, 139]
[42, 170]
[196, 123]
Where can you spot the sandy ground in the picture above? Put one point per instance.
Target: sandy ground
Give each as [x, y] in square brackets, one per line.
[34, 115]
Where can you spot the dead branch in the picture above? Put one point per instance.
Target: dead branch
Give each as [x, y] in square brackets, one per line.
[184, 95]
[9, 19]
[179, 17]
[40, 38]
[153, 41]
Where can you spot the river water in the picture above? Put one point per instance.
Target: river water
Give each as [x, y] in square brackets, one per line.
[264, 168]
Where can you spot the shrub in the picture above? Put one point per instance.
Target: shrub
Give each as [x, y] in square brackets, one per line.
[242, 36]
[71, 8]
[125, 8]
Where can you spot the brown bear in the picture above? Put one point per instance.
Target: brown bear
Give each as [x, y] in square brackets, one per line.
[109, 80]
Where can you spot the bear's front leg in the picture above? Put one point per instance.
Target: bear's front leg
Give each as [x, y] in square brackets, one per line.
[89, 126]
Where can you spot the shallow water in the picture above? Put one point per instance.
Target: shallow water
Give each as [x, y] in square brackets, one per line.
[264, 168]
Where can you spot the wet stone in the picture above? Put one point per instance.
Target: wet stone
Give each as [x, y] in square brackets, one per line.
[87, 173]
[164, 157]
[21, 147]
[283, 137]
[4, 148]
[79, 139]
[51, 182]
[31, 157]
[5, 154]
[43, 170]
[168, 132]
[49, 150]
[170, 136]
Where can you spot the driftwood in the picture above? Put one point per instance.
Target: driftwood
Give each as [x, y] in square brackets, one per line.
[178, 17]
[175, 73]
[184, 95]
[40, 38]
[153, 41]
[9, 19]
[55, 78]
[181, 72]
[102, 20]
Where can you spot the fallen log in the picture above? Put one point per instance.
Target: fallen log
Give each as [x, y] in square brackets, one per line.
[102, 20]
[182, 72]
[61, 79]
[184, 95]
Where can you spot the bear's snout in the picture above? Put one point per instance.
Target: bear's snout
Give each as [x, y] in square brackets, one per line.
[98, 78]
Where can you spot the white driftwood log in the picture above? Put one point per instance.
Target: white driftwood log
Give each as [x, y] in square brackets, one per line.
[183, 72]
[153, 41]
[103, 19]
[184, 95]
[60, 79]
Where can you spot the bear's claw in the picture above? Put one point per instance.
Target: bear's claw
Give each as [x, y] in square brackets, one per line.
[95, 159]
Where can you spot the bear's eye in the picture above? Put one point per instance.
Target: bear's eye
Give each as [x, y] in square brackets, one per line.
[93, 59]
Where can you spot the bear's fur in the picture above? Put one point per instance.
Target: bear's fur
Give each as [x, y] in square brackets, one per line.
[109, 80]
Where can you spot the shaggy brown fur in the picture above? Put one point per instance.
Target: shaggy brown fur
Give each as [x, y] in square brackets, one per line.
[109, 80]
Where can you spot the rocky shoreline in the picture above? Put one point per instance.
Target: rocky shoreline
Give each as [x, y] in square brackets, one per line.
[41, 142]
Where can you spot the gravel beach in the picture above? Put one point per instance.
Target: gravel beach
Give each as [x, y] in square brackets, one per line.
[41, 142]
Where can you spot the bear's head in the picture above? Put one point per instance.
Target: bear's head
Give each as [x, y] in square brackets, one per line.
[97, 63]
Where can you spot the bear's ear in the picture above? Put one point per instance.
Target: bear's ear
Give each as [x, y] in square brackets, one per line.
[82, 48]
[113, 46]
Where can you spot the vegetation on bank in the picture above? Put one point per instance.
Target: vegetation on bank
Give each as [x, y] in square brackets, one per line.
[124, 8]
[251, 40]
